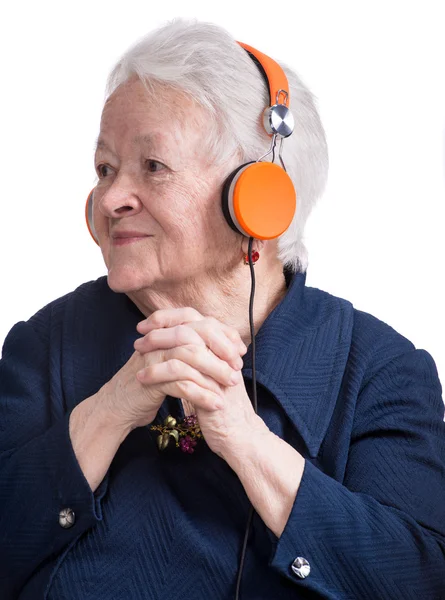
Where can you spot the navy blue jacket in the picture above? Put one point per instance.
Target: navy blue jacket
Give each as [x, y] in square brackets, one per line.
[352, 395]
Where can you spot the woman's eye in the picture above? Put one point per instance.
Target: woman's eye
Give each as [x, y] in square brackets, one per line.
[101, 170]
[154, 166]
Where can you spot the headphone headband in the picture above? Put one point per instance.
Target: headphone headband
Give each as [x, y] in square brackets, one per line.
[277, 118]
[275, 76]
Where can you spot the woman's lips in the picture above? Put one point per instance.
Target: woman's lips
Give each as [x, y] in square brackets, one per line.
[122, 239]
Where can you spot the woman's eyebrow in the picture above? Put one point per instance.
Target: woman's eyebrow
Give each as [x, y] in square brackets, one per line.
[145, 139]
[101, 144]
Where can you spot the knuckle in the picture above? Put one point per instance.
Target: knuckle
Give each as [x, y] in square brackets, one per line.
[185, 387]
[215, 388]
[208, 327]
[176, 353]
[142, 342]
[181, 334]
[174, 366]
[149, 372]
[209, 384]
[192, 350]
[191, 313]
[232, 334]
[150, 336]
[156, 318]
[228, 371]
[159, 356]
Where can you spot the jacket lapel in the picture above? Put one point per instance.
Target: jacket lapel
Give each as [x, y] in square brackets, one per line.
[301, 354]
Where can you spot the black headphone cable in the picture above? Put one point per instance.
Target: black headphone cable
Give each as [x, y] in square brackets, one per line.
[255, 407]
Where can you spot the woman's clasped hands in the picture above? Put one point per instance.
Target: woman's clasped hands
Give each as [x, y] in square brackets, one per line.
[186, 355]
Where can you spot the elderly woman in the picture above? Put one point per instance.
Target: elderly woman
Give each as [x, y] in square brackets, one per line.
[137, 432]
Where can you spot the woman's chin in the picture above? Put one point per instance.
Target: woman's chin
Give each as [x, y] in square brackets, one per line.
[124, 280]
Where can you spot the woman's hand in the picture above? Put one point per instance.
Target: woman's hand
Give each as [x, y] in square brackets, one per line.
[201, 363]
[174, 361]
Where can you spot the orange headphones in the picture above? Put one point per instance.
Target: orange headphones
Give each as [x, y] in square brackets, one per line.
[258, 198]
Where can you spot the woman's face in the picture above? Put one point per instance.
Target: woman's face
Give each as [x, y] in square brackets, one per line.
[157, 205]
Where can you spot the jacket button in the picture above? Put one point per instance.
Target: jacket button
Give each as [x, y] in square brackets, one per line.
[301, 567]
[66, 518]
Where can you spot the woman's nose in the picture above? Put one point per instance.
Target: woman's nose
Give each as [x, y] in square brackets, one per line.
[119, 201]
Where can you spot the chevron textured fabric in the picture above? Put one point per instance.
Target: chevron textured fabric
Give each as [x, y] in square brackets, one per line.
[352, 395]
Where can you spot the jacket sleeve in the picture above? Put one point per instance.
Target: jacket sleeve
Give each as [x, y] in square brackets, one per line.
[381, 532]
[39, 472]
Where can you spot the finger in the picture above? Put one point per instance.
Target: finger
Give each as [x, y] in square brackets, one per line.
[179, 316]
[175, 370]
[197, 396]
[218, 342]
[202, 333]
[168, 338]
[235, 337]
[206, 362]
[183, 381]
[168, 317]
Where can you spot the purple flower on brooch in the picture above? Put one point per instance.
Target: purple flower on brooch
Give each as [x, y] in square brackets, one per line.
[187, 444]
[190, 421]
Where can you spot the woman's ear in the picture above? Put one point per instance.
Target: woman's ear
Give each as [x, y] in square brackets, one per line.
[257, 245]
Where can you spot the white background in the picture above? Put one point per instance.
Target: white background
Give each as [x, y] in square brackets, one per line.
[378, 71]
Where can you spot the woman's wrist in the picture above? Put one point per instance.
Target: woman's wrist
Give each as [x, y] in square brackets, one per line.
[270, 470]
[245, 442]
[95, 438]
[106, 416]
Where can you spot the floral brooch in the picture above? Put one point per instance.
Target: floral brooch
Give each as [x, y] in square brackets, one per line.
[185, 433]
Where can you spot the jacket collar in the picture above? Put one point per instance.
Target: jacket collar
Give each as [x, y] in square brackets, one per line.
[301, 354]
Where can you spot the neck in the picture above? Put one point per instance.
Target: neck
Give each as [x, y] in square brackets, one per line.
[224, 297]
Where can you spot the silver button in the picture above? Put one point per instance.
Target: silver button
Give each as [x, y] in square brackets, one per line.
[301, 567]
[66, 518]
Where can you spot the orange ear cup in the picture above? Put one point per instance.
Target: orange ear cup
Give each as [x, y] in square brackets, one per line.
[259, 200]
[89, 216]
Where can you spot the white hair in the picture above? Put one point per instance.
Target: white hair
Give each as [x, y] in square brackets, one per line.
[204, 61]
